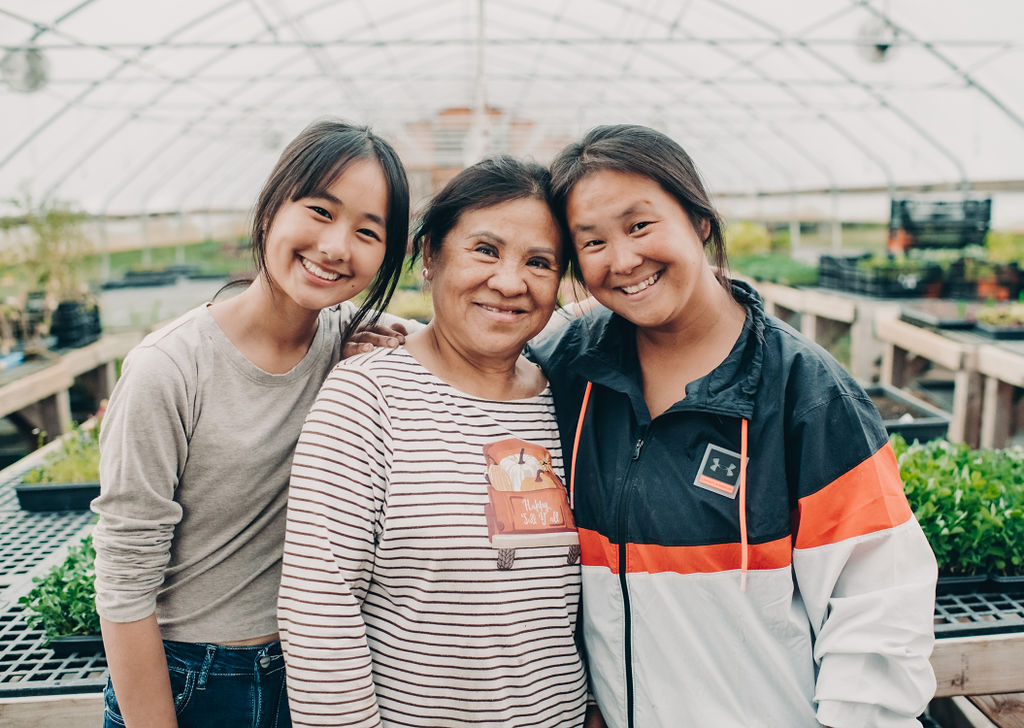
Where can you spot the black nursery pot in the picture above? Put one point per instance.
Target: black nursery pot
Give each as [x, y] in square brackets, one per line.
[56, 496]
[75, 324]
[81, 644]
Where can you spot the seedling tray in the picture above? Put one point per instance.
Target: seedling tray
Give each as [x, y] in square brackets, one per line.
[27, 668]
[967, 615]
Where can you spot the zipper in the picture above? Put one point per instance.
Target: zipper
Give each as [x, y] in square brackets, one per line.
[623, 539]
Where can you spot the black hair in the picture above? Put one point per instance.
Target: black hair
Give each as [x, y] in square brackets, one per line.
[489, 182]
[635, 149]
[307, 167]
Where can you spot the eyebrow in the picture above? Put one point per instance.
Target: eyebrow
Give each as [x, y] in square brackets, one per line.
[631, 210]
[325, 195]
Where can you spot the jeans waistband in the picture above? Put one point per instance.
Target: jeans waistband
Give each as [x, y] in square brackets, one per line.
[223, 658]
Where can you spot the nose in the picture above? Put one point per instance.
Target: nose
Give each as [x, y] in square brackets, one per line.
[623, 256]
[507, 280]
[334, 244]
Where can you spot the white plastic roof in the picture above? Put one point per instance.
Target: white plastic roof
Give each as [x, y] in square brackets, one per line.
[148, 107]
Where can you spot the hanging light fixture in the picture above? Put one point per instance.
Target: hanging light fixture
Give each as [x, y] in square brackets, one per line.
[25, 70]
[877, 38]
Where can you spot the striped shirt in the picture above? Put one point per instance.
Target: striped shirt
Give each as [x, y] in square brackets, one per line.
[431, 572]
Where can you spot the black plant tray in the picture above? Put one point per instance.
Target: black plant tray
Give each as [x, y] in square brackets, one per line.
[969, 584]
[940, 314]
[925, 422]
[56, 496]
[77, 644]
[1001, 332]
[967, 615]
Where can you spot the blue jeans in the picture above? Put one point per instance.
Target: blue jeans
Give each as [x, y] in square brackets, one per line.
[217, 686]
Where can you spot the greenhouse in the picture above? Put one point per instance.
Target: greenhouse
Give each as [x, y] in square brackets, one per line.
[866, 158]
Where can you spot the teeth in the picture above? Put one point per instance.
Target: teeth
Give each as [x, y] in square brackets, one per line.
[318, 271]
[642, 284]
[498, 310]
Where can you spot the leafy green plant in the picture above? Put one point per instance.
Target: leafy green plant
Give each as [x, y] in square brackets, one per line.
[777, 268]
[970, 504]
[63, 601]
[77, 461]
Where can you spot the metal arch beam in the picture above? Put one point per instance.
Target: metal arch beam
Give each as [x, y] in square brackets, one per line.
[599, 40]
[787, 88]
[949, 63]
[867, 88]
[772, 163]
[23, 144]
[74, 43]
[842, 129]
[132, 115]
[756, 114]
[316, 53]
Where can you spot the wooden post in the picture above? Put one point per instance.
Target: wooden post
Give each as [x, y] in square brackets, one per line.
[965, 425]
[996, 413]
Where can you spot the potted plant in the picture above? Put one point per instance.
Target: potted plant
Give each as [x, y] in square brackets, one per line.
[51, 256]
[970, 504]
[63, 603]
[69, 479]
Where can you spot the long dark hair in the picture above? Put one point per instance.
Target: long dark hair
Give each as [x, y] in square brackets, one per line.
[635, 149]
[489, 182]
[307, 167]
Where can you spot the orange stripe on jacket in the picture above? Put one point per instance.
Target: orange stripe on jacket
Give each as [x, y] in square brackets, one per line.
[866, 499]
[596, 550]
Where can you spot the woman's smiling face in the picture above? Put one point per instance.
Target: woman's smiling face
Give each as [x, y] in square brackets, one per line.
[495, 280]
[324, 249]
[637, 248]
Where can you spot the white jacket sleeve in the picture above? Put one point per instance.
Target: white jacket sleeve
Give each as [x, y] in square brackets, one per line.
[335, 503]
[866, 575]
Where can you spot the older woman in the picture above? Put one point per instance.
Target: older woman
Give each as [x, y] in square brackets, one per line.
[431, 571]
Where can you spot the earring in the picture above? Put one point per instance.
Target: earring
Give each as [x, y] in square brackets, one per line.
[426, 274]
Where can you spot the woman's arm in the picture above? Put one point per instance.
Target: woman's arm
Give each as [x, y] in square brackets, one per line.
[334, 503]
[138, 671]
[864, 569]
[142, 442]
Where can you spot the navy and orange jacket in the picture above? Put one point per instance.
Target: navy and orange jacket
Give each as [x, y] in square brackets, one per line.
[749, 557]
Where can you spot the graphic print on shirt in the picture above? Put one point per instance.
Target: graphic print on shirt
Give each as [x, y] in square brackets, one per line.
[527, 503]
[719, 471]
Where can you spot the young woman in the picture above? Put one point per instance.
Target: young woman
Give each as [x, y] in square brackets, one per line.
[431, 572]
[197, 441]
[749, 558]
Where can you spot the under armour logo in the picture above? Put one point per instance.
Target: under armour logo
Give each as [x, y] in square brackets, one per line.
[719, 471]
[716, 465]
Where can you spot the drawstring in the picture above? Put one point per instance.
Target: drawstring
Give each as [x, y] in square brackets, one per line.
[744, 546]
[744, 557]
[576, 445]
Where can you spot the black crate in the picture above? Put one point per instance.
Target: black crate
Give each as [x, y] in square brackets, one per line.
[941, 223]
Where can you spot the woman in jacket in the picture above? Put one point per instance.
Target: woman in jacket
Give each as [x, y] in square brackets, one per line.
[749, 558]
